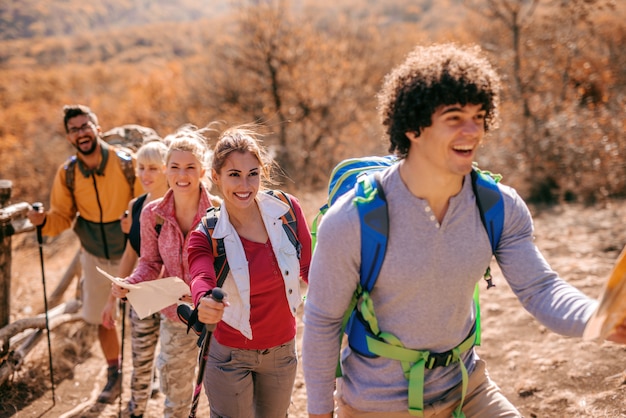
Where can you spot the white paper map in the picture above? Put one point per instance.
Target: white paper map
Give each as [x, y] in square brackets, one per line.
[149, 297]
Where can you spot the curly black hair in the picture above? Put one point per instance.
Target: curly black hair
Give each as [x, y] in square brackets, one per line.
[431, 77]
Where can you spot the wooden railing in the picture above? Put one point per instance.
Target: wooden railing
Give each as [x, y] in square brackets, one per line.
[17, 339]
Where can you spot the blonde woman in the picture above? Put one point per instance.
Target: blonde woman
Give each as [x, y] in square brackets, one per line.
[165, 227]
[144, 332]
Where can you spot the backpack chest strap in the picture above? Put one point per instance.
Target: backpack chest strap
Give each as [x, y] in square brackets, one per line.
[414, 362]
[393, 349]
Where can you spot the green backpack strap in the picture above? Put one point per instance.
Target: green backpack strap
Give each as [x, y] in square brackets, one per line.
[491, 208]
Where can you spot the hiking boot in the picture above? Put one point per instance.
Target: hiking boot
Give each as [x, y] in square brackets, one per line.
[113, 387]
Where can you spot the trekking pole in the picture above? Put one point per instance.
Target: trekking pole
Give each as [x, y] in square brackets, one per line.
[218, 295]
[119, 406]
[38, 206]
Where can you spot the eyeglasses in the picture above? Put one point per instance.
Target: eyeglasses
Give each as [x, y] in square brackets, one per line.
[84, 127]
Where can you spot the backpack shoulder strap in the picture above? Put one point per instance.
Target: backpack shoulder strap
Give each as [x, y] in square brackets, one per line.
[374, 219]
[491, 207]
[70, 173]
[126, 162]
[490, 204]
[158, 225]
[207, 224]
[70, 176]
[138, 206]
[290, 222]
[220, 263]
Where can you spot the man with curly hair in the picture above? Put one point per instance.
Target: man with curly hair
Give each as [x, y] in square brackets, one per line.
[437, 107]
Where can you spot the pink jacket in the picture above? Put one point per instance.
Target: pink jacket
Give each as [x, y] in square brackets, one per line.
[168, 248]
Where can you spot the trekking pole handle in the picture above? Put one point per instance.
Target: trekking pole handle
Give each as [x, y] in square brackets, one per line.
[38, 207]
[218, 295]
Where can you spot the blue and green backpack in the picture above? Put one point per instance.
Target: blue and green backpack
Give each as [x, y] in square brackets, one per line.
[360, 324]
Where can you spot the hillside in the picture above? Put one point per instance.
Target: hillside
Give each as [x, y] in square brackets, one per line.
[162, 64]
[26, 19]
[310, 72]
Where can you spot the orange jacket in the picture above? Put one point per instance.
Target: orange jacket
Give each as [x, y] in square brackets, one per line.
[100, 197]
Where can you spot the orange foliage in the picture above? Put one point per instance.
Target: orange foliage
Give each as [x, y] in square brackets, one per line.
[311, 74]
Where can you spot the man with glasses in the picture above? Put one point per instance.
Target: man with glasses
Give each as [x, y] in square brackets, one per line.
[90, 192]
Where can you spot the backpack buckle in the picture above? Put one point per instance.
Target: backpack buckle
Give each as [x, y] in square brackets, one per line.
[439, 359]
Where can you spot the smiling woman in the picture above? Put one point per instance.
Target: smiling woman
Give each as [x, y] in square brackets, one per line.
[162, 252]
[252, 361]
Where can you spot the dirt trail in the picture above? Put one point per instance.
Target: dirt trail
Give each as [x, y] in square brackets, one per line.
[543, 374]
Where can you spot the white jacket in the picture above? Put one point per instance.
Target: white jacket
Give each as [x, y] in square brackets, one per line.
[237, 284]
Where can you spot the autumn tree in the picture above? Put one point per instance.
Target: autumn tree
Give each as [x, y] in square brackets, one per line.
[552, 58]
[312, 88]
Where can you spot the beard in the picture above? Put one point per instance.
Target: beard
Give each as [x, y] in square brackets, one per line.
[90, 150]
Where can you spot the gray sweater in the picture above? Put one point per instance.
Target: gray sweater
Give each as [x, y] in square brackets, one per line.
[423, 294]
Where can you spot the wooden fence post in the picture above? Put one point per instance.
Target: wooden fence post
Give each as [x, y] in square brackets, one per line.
[6, 231]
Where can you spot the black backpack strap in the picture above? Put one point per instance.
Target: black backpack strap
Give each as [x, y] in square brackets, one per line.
[138, 205]
[70, 173]
[126, 162]
[158, 225]
[70, 176]
[208, 222]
